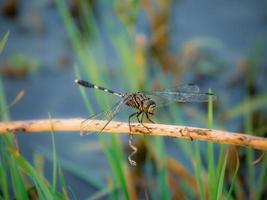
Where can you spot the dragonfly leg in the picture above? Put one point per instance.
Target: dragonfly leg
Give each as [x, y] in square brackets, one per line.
[147, 116]
[137, 116]
[134, 148]
[141, 122]
[129, 120]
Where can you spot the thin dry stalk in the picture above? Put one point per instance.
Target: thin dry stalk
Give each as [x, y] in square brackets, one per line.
[71, 125]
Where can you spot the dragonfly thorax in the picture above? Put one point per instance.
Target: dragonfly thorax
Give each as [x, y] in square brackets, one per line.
[140, 102]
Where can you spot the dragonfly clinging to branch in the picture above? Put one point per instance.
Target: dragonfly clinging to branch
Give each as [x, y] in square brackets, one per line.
[145, 103]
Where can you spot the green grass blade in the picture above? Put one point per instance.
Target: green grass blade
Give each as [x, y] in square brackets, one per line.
[89, 22]
[233, 179]
[3, 41]
[198, 169]
[17, 182]
[84, 54]
[249, 152]
[38, 163]
[3, 111]
[78, 171]
[63, 184]
[249, 105]
[250, 171]
[210, 111]
[211, 167]
[162, 169]
[117, 158]
[8, 143]
[221, 179]
[40, 183]
[54, 154]
[262, 179]
[8, 138]
[70, 26]
[3, 175]
[114, 156]
[101, 194]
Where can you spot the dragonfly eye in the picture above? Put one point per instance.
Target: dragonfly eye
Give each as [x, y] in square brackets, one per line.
[151, 106]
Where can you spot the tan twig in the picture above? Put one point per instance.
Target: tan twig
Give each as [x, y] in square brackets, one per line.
[185, 132]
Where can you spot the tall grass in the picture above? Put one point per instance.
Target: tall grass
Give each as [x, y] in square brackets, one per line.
[132, 73]
[113, 149]
[209, 164]
[122, 44]
[17, 174]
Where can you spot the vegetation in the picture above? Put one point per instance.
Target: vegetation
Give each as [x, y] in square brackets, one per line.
[196, 170]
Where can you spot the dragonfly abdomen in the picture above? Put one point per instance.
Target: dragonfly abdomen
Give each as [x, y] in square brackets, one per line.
[90, 85]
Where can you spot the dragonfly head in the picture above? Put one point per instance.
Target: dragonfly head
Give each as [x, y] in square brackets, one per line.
[150, 106]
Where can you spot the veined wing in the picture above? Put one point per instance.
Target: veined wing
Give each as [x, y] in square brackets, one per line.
[189, 88]
[105, 115]
[170, 95]
[163, 98]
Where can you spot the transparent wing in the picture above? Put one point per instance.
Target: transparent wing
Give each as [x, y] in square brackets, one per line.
[189, 88]
[163, 98]
[105, 115]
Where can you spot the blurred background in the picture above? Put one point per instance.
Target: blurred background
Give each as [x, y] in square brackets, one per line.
[132, 45]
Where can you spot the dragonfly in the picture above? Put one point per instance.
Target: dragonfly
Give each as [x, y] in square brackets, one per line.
[145, 103]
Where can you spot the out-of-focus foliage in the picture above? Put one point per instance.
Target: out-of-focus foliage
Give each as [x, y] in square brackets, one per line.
[15, 171]
[18, 66]
[126, 45]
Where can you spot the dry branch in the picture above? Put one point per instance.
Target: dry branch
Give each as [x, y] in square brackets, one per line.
[71, 125]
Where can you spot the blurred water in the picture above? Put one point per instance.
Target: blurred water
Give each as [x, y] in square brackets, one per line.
[234, 24]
